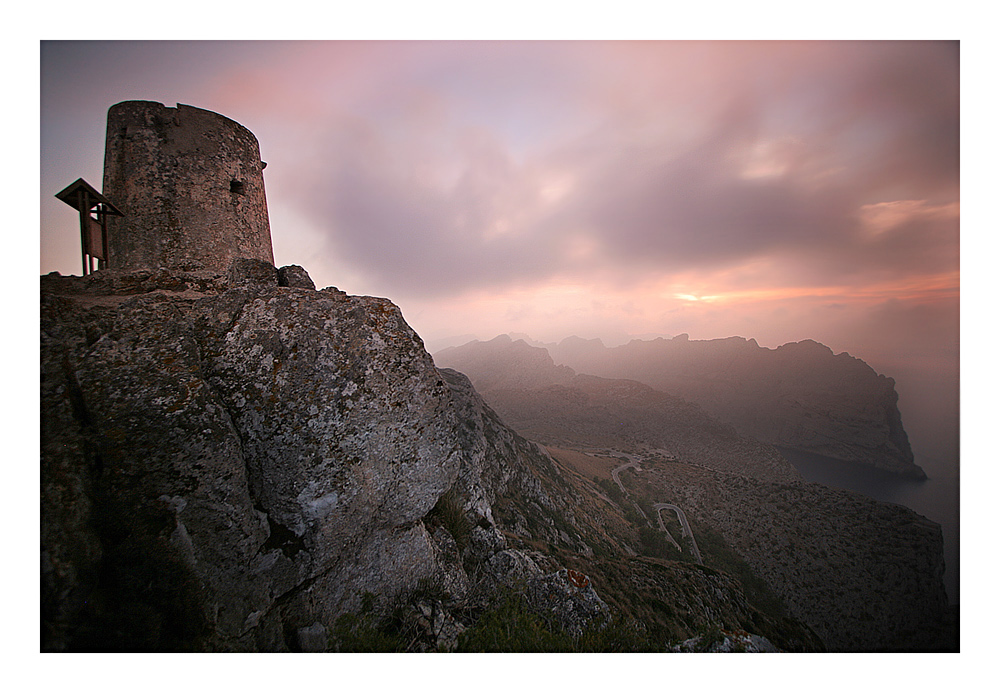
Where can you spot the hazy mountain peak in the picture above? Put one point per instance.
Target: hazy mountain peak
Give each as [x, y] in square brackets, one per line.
[806, 345]
[574, 340]
[799, 395]
[504, 363]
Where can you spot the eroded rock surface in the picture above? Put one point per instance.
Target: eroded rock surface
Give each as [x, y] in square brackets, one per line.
[230, 463]
[569, 597]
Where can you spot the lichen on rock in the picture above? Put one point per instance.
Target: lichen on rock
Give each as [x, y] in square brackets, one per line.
[279, 446]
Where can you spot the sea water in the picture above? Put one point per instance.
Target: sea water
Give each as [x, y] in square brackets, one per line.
[936, 498]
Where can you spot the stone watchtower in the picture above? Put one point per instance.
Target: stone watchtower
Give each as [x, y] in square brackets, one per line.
[190, 186]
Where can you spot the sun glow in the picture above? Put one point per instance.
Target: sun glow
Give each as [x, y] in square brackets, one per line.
[920, 289]
[693, 298]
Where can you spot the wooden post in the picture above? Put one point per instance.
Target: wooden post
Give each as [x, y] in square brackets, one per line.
[103, 216]
[82, 197]
[83, 203]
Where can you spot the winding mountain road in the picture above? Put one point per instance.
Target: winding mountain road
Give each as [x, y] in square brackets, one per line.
[685, 527]
[634, 463]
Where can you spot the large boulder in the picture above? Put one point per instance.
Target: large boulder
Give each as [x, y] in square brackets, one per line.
[228, 463]
[568, 597]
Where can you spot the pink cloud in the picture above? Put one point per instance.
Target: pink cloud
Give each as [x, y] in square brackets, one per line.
[544, 180]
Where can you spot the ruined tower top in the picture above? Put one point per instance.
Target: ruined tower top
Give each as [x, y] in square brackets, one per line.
[190, 185]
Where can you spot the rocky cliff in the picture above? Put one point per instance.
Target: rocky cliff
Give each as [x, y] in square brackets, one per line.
[238, 461]
[226, 460]
[800, 396]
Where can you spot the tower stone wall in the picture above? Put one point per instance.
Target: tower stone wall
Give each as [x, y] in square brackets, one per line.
[190, 185]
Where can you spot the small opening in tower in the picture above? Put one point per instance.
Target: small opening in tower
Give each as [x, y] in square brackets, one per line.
[236, 186]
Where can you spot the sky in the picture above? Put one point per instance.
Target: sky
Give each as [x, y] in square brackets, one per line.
[615, 189]
[773, 190]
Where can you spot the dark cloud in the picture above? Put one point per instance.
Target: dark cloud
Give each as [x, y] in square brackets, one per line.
[426, 231]
[696, 210]
[906, 95]
[781, 164]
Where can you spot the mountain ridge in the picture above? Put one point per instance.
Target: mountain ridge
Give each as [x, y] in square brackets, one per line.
[799, 396]
[735, 486]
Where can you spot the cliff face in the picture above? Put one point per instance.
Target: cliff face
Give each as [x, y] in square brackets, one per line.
[226, 461]
[799, 396]
[505, 364]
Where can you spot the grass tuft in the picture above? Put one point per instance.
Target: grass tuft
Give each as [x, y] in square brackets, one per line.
[448, 513]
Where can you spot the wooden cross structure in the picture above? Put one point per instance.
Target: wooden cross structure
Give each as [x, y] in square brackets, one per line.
[94, 209]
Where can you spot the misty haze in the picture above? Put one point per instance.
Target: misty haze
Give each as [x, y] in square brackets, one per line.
[598, 346]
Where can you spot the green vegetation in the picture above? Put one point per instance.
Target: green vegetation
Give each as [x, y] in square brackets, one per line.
[364, 633]
[654, 543]
[710, 635]
[448, 513]
[633, 516]
[611, 489]
[511, 626]
[719, 555]
[507, 625]
[647, 507]
[387, 626]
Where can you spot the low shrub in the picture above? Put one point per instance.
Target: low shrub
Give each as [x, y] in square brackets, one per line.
[511, 626]
[654, 543]
[448, 513]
